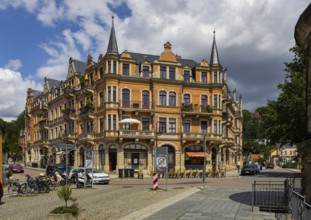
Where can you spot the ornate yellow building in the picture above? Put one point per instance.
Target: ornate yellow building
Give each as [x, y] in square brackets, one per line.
[175, 102]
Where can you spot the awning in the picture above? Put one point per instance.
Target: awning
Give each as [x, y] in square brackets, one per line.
[130, 120]
[196, 154]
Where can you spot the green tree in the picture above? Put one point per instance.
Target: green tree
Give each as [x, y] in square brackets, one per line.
[64, 193]
[285, 119]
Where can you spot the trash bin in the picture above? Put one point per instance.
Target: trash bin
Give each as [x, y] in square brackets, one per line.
[126, 173]
[120, 173]
[34, 165]
[131, 172]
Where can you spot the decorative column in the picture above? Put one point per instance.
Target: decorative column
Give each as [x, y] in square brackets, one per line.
[106, 165]
[120, 158]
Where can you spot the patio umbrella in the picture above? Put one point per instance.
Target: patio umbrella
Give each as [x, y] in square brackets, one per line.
[130, 120]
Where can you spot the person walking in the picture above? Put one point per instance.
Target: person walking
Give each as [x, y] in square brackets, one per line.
[238, 166]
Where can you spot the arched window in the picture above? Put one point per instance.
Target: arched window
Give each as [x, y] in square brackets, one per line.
[125, 98]
[172, 99]
[186, 99]
[145, 99]
[162, 98]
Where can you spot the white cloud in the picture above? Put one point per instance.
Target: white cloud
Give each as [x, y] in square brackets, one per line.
[13, 65]
[59, 51]
[248, 32]
[29, 5]
[13, 97]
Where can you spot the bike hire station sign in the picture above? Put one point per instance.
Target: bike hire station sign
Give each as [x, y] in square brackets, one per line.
[88, 158]
[161, 159]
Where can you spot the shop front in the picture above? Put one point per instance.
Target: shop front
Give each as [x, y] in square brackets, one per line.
[135, 156]
[194, 157]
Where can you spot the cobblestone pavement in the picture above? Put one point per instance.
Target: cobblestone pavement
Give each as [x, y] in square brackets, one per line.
[101, 202]
[224, 198]
[213, 203]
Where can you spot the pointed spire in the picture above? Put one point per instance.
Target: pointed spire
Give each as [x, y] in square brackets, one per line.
[112, 45]
[214, 54]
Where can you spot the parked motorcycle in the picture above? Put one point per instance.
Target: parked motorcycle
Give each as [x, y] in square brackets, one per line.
[81, 182]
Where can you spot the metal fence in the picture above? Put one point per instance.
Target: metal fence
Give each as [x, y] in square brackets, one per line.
[281, 196]
[270, 195]
[298, 206]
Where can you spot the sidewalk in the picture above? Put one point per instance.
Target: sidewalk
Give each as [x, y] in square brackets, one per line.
[211, 203]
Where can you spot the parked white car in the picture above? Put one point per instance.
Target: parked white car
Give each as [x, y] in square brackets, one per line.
[99, 175]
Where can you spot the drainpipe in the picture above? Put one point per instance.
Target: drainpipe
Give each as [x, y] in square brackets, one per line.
[181, 122]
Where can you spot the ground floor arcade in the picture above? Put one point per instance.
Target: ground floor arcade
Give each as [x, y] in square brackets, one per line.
[139, 156]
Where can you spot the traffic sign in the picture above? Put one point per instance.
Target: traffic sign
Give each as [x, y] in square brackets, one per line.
[161, 162]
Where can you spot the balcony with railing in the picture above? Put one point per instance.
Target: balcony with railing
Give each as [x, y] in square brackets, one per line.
[69, 91]
[44, 106]
[69, 114]
[87, 137]
[197, 110]
[137, 106]
[43, 124]
[136, 134]
[87, 111]
[69, 136]
[194, 136]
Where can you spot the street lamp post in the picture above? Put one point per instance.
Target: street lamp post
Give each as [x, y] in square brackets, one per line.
[156, 142]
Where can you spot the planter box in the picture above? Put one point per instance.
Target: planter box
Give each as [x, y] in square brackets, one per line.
[68, 216]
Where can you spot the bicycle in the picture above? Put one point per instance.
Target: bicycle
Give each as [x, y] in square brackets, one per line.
[31, 186]
[15, 188]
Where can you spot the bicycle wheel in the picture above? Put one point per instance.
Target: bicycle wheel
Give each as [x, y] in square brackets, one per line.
[23, 188]
[32, 190]
[51, 185]
[13, 190]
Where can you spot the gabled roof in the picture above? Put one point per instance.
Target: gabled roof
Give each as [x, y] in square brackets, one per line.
[112, 44]
[36, 93]
[52, 83]
[214, 54]
[140, 57]
[79, 66]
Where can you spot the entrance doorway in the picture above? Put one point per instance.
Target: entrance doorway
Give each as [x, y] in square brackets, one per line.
[135, 160]
[112, 158]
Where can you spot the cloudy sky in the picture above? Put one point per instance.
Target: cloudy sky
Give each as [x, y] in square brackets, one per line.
[38, 37]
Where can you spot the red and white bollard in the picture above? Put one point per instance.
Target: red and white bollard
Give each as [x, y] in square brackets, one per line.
[155, 181]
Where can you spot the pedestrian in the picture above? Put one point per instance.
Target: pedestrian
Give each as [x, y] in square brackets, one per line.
[238, 166]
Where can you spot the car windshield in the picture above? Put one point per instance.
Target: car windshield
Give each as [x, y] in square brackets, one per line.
[94, 171]
[63, 168]
[248, 166]
[17, 166]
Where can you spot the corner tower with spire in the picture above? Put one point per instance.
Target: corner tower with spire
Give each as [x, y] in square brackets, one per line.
[214, 55]
[112, 44]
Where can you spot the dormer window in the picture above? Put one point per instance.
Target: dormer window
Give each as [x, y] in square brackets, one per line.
[145, 71]
[204, 77]
[163, 72]
[187, 76]
[126, 69]
[172, 73]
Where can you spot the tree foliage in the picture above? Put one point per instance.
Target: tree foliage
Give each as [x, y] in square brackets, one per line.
[11, 132]
[285, 119]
